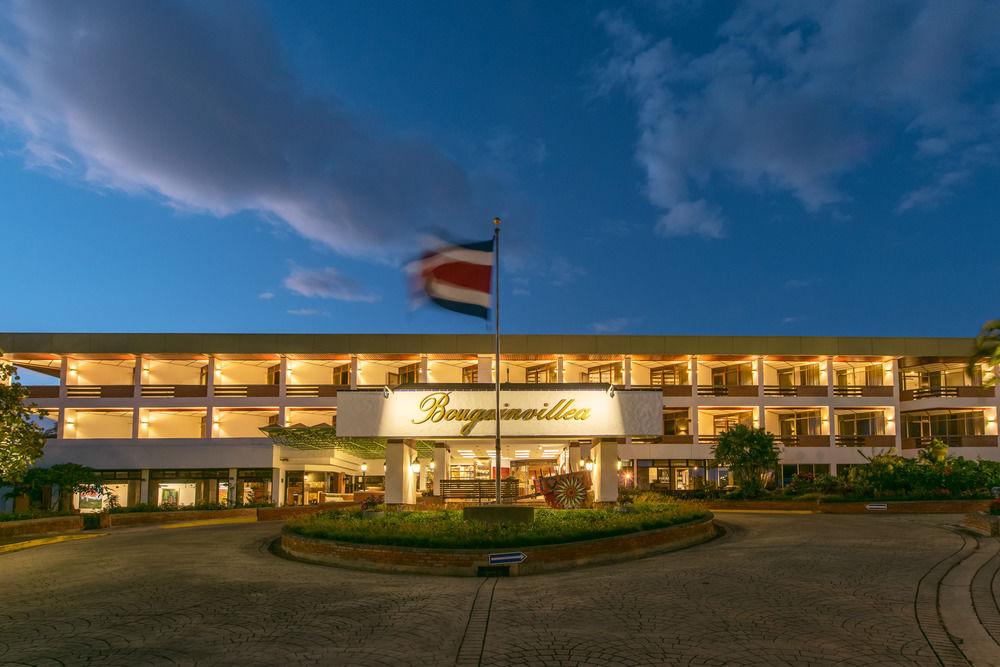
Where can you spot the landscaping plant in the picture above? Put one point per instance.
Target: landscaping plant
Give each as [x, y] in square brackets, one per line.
[751, 456]
[21, 436]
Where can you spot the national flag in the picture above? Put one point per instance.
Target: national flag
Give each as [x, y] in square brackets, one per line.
[456, 276]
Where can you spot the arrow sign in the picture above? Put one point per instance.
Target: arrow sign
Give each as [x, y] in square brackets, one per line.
[877, 507]
[512, 558]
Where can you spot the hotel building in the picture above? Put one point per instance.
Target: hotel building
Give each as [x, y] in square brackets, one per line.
[295, 419]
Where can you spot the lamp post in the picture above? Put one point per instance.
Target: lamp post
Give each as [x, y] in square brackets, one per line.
[364, 475]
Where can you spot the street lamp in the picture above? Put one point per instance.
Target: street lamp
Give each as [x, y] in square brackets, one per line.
[588, 465]
[415, 466]
[364, 475]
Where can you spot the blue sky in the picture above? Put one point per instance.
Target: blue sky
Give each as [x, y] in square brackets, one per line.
[777, 168]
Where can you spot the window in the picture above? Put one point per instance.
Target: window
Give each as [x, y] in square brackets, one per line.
[342, 375]
[606, 374]
[470, 374]
[676, 422]
[949, 377]
[407, 375]
[807, 375]
[736, 374]
[674, 374]
[856, 424]
[540, 374]
[861, 376]
[944, 424]
[804, 422]
[274, 374]
[724, 422]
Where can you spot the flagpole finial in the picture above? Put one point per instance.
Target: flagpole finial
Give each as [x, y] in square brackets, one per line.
[496, 221]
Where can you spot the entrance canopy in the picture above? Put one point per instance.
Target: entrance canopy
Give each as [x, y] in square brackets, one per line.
[324, 436]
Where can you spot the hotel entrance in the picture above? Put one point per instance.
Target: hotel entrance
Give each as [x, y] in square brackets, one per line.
[529, 471]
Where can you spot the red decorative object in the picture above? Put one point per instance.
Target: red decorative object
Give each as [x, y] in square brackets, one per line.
[567, 491]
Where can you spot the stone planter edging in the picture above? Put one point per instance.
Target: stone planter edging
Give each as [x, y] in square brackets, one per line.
[71, 523]
[146, 518]
[983, 523]
[466, 562]
[290, 511]
[892, 506]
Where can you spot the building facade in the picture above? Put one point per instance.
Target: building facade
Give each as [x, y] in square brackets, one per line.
[295, 419]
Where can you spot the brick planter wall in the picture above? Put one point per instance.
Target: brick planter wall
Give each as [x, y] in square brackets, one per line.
[54, 524]
[143, 518]
[892, 506]
[983, 523]
[289, 512]
[466, 562]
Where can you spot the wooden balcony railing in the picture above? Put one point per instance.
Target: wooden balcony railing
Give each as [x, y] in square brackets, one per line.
[876, 441]
[803, 440]
[246, 390]
[727, 390]
[313, 390]
[862, 390]
[946, 392]
[952, 441]
[799, 390]
[100, 391]
[174, 391]
[43, 391]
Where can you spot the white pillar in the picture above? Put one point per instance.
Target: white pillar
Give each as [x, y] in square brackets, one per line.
[144, 486]
[485, 371]
[627, 371]
[282, 380]
[354, 371]
[277, 487]
[210, 380]
[442, 466]
[830, 378]
[694, 376]
[61, 424]
[693, 424]
[574, 457]
[604, 454]
[63, 376]
[233, 483]
[400, 483]
[560, 372]
[759, 373]
[137, 378]
[422, 371]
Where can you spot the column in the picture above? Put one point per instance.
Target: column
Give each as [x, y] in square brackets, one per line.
[63, 376]
[895, 405]
[209, 422]
[627, 371]
[144, 486]
[422, 370]
[210, 378]
[560, 372]
[693, 424]
[277, 487]
[831, 417]
[574, 457]
[830, 377]
[233, 486]
[485, 371]
[442, 466]
[137, 377]
[694, 376]
[354, 371]
[61, 423]
[604, 454]
[759, 377]
[422, 479]
[400, 483]
[282, 380]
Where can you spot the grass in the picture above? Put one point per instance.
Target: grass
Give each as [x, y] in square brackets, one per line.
[445, 529]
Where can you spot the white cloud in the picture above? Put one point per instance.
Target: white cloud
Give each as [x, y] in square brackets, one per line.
[306, 312]
[796, 95]
[327, 283]
[266, 296]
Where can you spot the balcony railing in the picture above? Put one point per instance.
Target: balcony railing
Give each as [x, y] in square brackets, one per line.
[174, 391]
[246, 390]
[727, 390]
[100, 391]
[946, 392]
[803, 440]
[876, 441]
[799, 390]
[862, 390]
[43, 391]
[313, 390]
[952, 441]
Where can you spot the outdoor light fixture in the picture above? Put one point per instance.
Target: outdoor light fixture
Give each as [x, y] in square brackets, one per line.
[618, 464]
[364, 467]
[431, 465]
[589, 465]
[415, 466]
[386, 392]
[611, 391]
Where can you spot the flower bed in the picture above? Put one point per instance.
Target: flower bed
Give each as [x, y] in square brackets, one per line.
[445, 529]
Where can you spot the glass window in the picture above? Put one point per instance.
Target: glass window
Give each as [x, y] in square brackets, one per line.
[855, 424]
[870, 375]
[470, 374]
[674, 374]
[804, 422]
[724, 422]
[544, 373]
[342, 375]
[735, 374]
[944, 424]
[606, 374]
[676, 422]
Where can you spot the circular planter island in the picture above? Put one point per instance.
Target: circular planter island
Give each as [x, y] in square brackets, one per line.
[439, 542]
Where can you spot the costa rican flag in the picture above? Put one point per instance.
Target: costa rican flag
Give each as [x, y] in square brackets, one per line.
[456, 276]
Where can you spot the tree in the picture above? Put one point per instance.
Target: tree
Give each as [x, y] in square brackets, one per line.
[987, 348]
[21, 436]
[73, 478]
[749, 453]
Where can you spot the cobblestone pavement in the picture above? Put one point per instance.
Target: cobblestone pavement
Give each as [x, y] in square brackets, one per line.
[775, 590]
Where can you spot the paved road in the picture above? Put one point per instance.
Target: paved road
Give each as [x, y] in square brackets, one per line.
[776, 590]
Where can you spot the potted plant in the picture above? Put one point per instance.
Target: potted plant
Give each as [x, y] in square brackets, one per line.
[371, 507]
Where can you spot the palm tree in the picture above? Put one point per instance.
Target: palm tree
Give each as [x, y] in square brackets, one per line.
[987, 349]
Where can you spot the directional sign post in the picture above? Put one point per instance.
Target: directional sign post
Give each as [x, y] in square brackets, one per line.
[511, 558]
[877, 507]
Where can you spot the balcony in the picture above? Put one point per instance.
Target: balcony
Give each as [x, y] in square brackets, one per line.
[863, 390]
[675, 389]
[952, 441]
[246, 390]
[100, 391]
[946, 392]
[313, 390]
[43, 391]
[727, 390]
[803, 440]
[174, 391]
[873, 441]
[795, 390]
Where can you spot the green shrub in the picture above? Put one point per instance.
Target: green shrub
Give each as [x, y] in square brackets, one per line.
[447, 529]
[39, 514]
[91, 521]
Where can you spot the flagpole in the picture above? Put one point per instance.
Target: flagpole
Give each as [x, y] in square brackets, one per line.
[496, 322]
